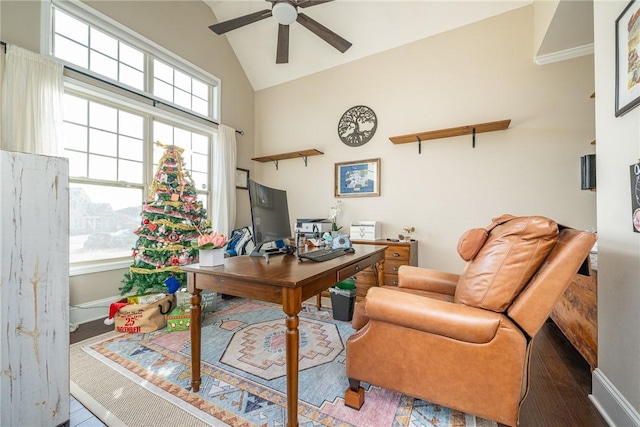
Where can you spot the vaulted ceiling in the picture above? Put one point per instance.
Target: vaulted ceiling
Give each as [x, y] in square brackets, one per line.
[371, 26]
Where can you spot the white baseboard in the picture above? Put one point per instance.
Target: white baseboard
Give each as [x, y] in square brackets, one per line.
[93, 310]
[611, 404]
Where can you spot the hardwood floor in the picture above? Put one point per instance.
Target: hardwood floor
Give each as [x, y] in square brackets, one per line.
[89, 330]
[560, 384]
[560, 381]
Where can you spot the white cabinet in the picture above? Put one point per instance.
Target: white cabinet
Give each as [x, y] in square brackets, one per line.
[34, 290]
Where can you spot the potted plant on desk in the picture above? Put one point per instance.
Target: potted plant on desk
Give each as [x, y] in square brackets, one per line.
[211, 248]
[333, 216]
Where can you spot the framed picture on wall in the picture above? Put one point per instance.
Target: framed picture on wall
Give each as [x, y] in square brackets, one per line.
[357, 179]
[634, 172]
[242, 178]
[628, 59]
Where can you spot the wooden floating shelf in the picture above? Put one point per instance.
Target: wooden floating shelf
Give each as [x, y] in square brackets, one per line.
[457, 131]
[284, 156]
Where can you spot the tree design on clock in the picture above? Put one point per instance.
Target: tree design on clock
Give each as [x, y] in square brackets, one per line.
[357, 126]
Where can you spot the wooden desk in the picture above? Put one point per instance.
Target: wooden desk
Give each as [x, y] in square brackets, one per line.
[286, 281]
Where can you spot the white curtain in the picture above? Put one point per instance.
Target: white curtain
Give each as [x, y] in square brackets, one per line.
[223, 217]
[32, 92]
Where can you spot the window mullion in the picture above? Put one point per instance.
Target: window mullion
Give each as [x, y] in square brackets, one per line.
[94, 181]
[148, 74]
[148, 155]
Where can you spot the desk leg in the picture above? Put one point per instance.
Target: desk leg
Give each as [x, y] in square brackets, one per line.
[291, 305]
[196, 328]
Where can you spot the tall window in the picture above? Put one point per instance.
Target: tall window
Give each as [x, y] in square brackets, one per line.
[110, 137]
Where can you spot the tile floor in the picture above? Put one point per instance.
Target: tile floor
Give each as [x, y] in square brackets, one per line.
[81, 417]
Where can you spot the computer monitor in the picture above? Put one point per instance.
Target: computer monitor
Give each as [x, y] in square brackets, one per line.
[269, 215]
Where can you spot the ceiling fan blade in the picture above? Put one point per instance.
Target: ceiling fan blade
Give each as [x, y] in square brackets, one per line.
[282, 55]
[309, 3]
[324, 33]
[232, 24]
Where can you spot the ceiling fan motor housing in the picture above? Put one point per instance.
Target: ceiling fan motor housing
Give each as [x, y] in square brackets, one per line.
[284, 12]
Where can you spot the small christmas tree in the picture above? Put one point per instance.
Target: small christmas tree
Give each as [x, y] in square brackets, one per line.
[172, 217]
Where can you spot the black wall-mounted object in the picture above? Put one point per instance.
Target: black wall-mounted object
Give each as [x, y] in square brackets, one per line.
[588, 172]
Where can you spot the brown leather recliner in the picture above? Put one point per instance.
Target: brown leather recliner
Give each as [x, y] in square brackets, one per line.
[464, 341]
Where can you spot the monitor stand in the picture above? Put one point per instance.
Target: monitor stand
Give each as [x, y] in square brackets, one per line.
[265, 253]
[258, 251]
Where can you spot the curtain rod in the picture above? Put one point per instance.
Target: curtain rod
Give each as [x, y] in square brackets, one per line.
[154, 101]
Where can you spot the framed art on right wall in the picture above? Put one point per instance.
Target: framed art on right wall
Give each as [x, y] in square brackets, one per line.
[635, 196]
[628, 59]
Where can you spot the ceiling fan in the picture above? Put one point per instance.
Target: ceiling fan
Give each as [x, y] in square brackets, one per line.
[286, 12]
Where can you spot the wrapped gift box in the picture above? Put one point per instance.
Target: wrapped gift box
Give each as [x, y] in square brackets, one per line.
[208, 303]
[179, 319]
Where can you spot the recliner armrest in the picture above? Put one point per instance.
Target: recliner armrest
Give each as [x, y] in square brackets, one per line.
[456, 321]
[426, 279]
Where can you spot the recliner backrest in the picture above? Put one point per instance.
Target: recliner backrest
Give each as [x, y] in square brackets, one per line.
[533, 305]
[512, 253]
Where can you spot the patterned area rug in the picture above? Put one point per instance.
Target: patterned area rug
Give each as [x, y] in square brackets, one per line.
[244, 378]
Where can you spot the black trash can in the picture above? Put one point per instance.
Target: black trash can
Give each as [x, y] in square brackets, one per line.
[343, 299]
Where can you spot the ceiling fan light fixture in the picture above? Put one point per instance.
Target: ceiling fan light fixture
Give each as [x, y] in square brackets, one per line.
[284, 12]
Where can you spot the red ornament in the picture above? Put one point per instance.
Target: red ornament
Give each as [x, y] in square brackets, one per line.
[174, 260]
[135, 253]
[169, 168]
[146, 221]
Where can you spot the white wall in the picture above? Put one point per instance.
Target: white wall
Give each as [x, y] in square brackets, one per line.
[479, 73]
[543, 12]
[616, 382]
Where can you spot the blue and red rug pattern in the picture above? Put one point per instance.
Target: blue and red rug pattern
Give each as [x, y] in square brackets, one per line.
[244, 375]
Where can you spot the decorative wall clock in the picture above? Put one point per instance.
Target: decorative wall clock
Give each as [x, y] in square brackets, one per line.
[357, 126]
